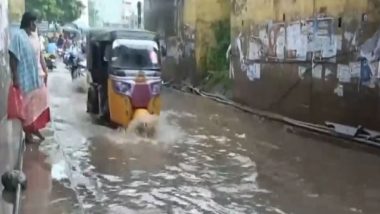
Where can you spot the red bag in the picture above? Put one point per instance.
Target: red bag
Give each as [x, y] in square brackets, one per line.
[15, 110]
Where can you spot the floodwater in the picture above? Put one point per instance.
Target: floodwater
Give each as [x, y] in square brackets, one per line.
[207, 158]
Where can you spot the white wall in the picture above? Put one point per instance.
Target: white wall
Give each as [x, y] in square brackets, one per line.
[83, 20]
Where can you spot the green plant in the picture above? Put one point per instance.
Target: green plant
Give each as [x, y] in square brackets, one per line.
[216, 63]
[63, 11]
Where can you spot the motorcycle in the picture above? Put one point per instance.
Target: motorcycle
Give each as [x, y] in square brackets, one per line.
[61, 53]
[66, 58]
[50, 60]
[77, 67]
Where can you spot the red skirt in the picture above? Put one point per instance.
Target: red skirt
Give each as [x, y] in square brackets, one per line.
[36, 110]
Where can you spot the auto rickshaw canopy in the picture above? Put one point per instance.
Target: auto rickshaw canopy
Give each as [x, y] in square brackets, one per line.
[111, 34]
[98, 37]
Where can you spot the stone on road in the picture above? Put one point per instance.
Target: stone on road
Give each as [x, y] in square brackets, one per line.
[207, 158]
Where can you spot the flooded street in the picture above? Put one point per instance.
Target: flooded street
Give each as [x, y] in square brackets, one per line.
[207, 158]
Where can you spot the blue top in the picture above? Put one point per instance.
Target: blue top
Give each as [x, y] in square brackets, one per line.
[27, 65]
[51, 48]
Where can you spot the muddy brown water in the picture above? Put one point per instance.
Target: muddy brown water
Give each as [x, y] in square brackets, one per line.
[208, 158]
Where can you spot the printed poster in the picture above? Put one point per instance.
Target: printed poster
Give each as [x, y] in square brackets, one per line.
[296, 42]
[253, 72]
[344, 73]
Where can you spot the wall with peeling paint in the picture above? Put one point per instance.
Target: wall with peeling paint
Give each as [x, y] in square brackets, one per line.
[207, 13]
[4, 66]
[313, 60]
[17, 8]
[187, 49]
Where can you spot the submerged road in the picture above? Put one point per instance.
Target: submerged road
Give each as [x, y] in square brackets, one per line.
[208, 158]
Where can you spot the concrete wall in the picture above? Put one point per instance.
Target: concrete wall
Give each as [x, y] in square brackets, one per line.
[11, 11]
[301, 59]
[9, 130]
[207, 13]
[186, 29]
[17, 8]
[313, 60]
[159, 16]
[4, 66]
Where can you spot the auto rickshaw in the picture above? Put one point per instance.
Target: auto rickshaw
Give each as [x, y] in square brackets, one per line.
[125, 74]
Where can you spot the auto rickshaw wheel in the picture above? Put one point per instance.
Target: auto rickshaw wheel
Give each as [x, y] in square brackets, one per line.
[154, 106]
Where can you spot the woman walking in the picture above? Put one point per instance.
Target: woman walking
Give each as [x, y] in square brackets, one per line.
[28, 73]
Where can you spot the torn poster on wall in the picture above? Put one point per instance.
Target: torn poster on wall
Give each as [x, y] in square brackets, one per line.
[367, 73]
[254, 71]
[317, 71]
[296, 40]
[276, 35]
[321, 38]
[344, 73]
[339, 90]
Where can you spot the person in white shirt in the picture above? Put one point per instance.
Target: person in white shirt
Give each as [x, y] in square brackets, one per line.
[42, 43]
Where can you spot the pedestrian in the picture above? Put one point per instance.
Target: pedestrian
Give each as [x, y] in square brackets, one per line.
[60, 41]
[26, 75]
[42, 68]
[42, 42]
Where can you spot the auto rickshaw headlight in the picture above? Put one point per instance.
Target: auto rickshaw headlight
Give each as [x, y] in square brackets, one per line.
[122, 87]
[156, 89]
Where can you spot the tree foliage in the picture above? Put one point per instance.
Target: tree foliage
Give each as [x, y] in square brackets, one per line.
[61, 11]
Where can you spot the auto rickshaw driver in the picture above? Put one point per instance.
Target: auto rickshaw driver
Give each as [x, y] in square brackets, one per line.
[126, 75]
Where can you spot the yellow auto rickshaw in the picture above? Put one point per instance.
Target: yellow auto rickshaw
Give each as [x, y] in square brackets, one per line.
[125, 74]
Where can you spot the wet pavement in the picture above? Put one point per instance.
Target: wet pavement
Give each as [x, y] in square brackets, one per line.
[207, 158]
[9, 156]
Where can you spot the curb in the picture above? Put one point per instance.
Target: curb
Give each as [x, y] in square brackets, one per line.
[20, 160]
[325, 130]
[17, 164]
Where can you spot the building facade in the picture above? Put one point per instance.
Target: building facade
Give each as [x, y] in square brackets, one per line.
[119, 13]
[84, 19]
[312, 60]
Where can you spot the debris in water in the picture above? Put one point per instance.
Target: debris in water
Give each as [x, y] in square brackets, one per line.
[241, 136]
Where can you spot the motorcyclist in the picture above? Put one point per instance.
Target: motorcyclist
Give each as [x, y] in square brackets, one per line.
[73, 51]
[51, 47]
[60, 41]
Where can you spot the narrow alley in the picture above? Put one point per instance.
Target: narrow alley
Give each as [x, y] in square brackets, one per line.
[208, 158]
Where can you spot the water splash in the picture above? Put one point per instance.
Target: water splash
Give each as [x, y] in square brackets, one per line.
[166, 132]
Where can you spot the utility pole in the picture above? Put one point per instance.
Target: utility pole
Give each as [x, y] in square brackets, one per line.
[139, 14]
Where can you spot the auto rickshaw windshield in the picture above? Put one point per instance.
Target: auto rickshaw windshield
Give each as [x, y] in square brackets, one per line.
[135, 54]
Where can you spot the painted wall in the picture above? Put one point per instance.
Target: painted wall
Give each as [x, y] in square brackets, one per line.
[313, 60]
[10, 130]
[4, 66]
[186, 31]
[207, 13]
[17, 8]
